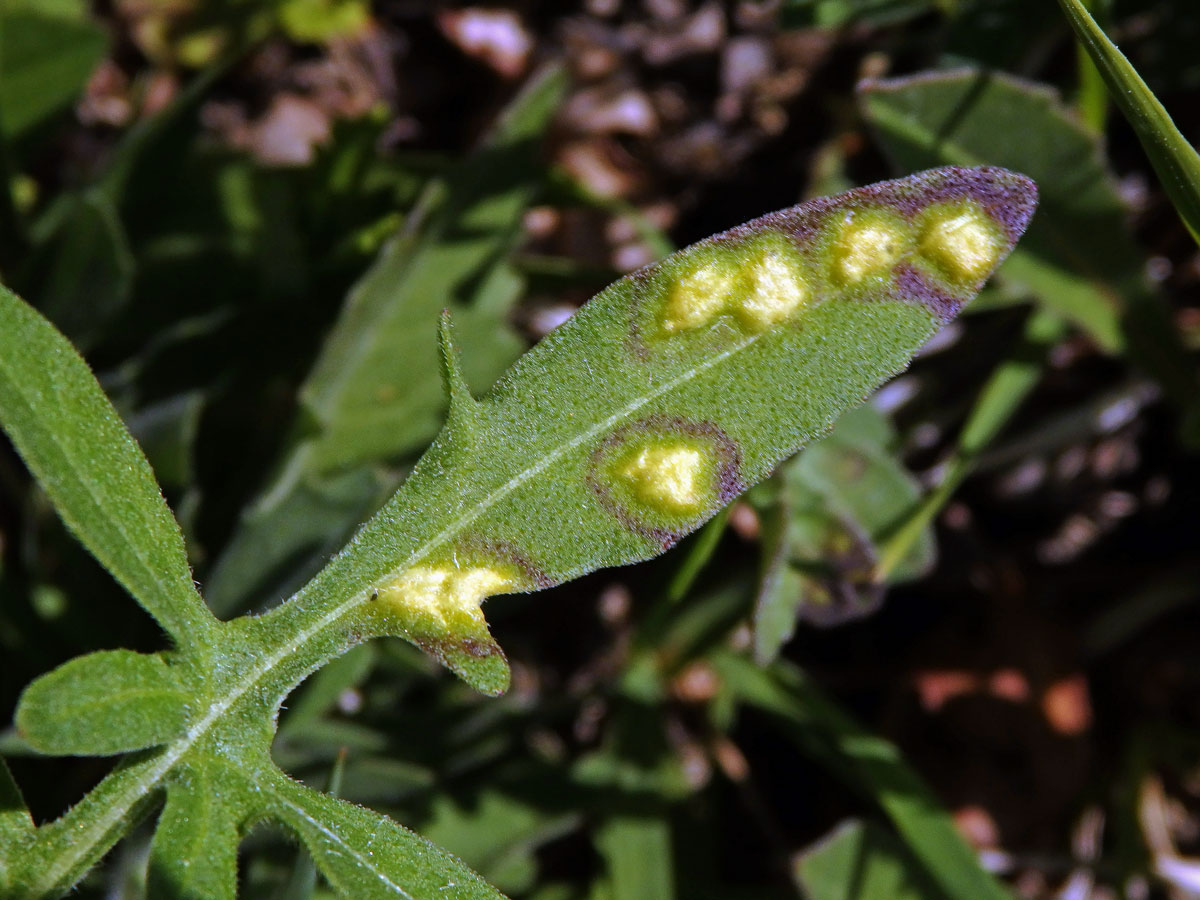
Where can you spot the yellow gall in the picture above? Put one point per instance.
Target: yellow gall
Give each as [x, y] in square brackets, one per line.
[864, 249]
[964, 245]
[442, 590]
[696, 298]
[774, 291]
[671, 477]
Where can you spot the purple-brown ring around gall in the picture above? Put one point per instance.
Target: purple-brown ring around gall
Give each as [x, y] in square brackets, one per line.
[910, 284]
[483, 550]
[729, 464]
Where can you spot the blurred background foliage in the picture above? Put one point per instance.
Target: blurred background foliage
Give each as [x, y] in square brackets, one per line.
[958, 635]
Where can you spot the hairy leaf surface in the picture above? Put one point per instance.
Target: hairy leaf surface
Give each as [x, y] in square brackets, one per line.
[628, 427]
[667, 395]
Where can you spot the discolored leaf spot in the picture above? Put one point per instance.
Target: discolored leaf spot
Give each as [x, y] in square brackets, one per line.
[867, 245]
[436, 605]
[661, 477]
[746, 285]
[961, 241]
[699, 294]
[775, 287]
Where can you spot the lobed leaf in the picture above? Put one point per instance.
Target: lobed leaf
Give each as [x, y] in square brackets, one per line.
[45, 60]
[628, 427]
[664, 397]
[194, 852]
[104, 703]
[94, 473]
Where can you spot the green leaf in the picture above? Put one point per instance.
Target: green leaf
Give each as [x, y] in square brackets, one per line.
[364, 856]
[665, 396]
[1079, 257]
[628, 427]
[44, 62]
[100, 483]
[637, 852]
[1173, 158]
[870, 764]
[194, 853]
[861, 861]
[837, 501]
[103, 703]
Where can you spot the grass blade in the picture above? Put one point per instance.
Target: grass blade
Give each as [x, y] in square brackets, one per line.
[1173, 158]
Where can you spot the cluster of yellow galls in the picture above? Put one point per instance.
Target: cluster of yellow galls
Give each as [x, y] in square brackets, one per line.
[766, 284]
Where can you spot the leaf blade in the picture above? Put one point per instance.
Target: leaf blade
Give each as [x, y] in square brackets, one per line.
[93, 471]
[364, 854]
[735, 399]
[103, 703]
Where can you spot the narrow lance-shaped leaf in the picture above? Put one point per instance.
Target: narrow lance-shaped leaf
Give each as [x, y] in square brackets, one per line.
[663, 398]
[74, 442]
[1174, 159]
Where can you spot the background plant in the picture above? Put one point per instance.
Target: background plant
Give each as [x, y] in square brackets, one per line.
[213, 278]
